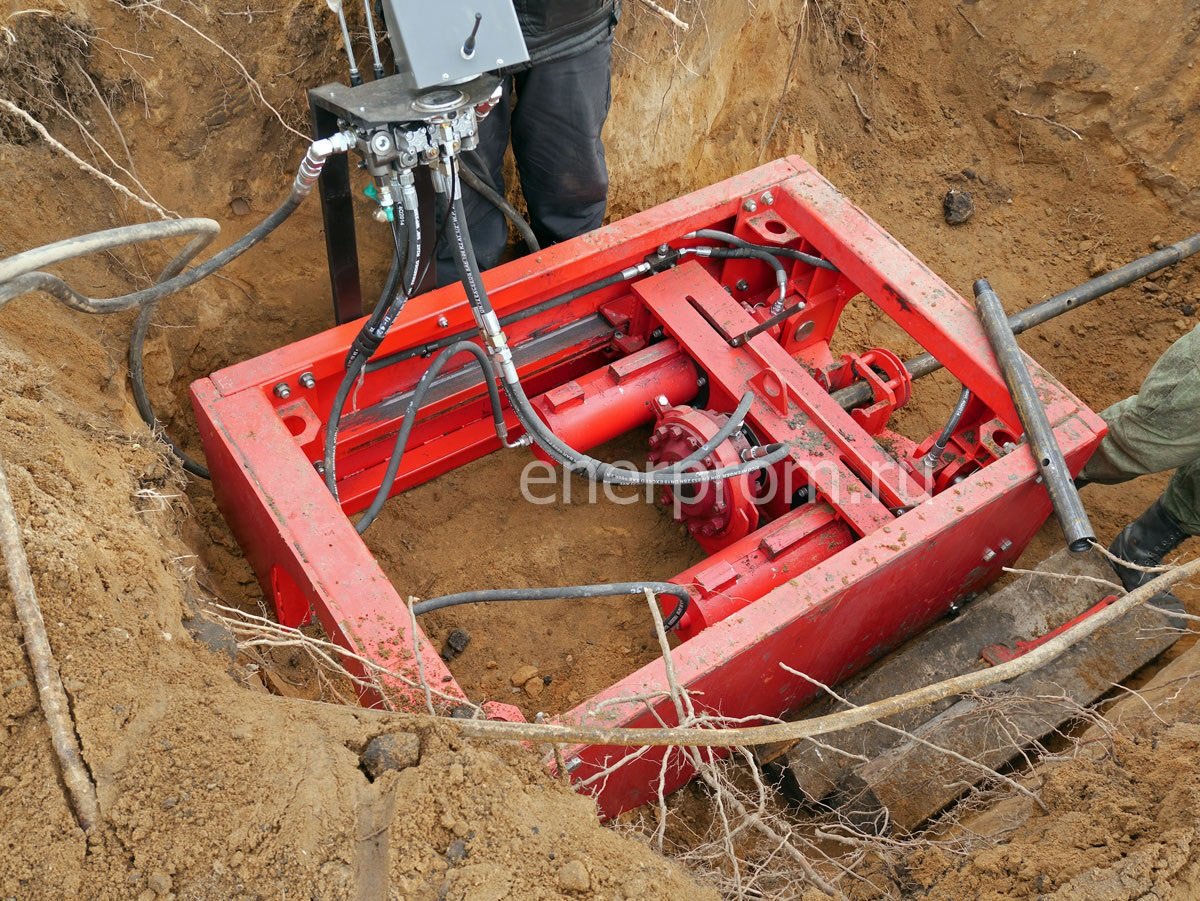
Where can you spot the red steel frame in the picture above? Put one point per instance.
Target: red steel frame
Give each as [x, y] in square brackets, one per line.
[824, 588]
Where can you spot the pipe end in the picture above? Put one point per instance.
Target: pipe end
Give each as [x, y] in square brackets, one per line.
[981, 285]
[1082, 545]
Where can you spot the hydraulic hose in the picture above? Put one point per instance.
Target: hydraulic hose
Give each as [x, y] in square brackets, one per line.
[367, 342]
[496, 199]
[935, 452]
[573, 592]
[713, 234]
[410, 418]
[596, 470]
[748, 253]
[21, 273]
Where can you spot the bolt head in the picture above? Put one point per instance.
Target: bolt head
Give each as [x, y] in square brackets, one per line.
[768, 198]
[308, 381]
[282, 391]
[989, 555]
[750, 206]
[443, 322]
[381, 143]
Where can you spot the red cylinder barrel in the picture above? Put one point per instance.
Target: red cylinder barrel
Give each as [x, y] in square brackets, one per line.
[743, 572]
[610, 401]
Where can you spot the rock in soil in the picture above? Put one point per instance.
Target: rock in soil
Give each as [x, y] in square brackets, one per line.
[456, 643]
[522, 674]
[573, 877]
[957, 206]
[394, 751]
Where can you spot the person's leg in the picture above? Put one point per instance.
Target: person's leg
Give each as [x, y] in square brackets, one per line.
[1182, 498]
[560, 111]
[1156, 430]
[488, 227]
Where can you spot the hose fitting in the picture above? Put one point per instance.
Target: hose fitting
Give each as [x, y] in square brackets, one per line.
[314, 160]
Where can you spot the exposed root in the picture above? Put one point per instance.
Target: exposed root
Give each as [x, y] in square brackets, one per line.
[53, 696]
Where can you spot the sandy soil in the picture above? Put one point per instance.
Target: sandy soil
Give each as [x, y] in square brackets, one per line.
[1075, 136]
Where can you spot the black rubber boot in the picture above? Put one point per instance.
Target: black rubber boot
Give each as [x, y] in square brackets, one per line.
[1145, 541]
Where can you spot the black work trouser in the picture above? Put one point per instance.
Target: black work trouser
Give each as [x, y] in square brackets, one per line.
[554, 113]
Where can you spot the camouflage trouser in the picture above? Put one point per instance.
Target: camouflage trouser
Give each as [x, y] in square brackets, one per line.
[1159, 429]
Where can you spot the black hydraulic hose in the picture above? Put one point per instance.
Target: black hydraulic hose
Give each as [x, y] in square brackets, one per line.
[141, 326]
[596, 470]
[572, 592]
[749, 253]
[496, 199]
[410, 418]
[956, 415]
[367, 342]
[713, 234]
[354, 368]
[203, 230]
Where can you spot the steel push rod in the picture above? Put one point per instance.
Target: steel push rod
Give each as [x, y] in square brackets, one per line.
[860, 393]
[1040, 434]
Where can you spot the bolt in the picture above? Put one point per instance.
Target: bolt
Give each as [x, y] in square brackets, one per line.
[750, 206]
[319, 466]
[655, 441]
[307, 380]
[443, 322]
[664, 249]
[618, 335]
[381, 143]
[768, 198]
[701, 381]
[282, 391]
[743, 285]
[989, 555]
[1005, 544]
[662, 401]
[719, 506]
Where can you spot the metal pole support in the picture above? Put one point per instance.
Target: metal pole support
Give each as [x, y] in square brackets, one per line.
[1038, 431]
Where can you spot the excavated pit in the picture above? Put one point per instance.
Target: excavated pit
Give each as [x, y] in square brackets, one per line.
[1076, 137]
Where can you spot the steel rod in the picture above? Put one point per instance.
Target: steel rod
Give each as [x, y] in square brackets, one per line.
[1038, 432]
[860, 393]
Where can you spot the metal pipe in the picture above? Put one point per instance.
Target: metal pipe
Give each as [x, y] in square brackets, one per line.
[376, 61]
[860, 393]
[1038, 432]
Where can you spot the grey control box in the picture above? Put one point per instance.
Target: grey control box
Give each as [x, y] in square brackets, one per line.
[432, 40]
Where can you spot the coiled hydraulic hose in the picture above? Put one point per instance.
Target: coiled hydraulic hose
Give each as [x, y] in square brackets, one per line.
[21, 273]
[573, 592]
[597, 470]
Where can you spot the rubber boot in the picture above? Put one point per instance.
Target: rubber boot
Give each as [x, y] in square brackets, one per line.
[1145, 541]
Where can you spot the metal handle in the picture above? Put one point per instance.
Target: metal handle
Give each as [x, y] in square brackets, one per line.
[1038, 432]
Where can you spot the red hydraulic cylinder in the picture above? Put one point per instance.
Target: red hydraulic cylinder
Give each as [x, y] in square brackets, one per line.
[741, 573]
[610, 401]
